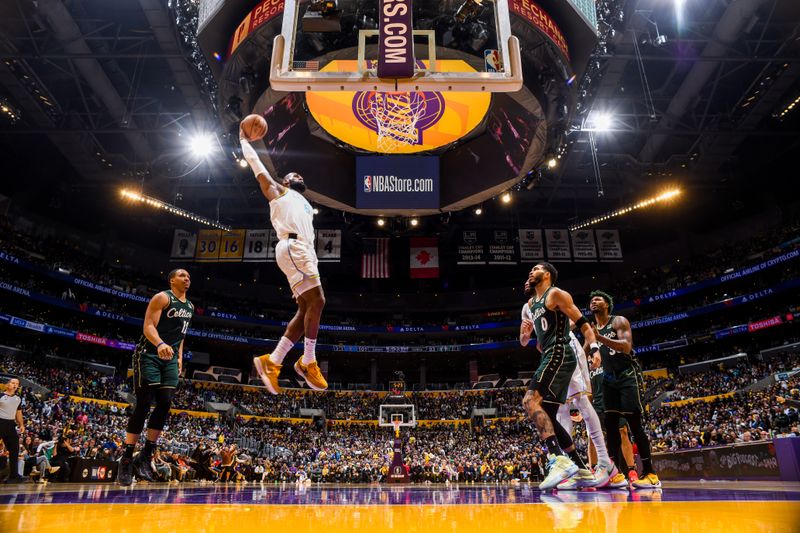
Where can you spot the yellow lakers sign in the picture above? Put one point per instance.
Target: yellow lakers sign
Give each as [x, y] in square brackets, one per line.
[414, 122]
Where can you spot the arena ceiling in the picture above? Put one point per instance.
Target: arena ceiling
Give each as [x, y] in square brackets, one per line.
[108, 93]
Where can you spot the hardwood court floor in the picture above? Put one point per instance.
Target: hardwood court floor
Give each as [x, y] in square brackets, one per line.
[772, 507]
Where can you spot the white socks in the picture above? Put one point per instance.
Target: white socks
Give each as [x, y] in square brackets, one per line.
[594, 429]
[280, 351]
[310, 353]
[284, 345]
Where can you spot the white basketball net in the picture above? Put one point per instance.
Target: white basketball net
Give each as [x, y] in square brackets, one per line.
[397, 115]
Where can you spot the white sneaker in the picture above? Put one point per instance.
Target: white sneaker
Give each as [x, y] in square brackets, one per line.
[582, 479]
[603, 473]
[561, 468]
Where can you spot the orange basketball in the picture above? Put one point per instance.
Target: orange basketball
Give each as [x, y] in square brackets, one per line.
[254, 127]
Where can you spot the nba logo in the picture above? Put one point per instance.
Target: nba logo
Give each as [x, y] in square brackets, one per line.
[493, 61]
[367, 183]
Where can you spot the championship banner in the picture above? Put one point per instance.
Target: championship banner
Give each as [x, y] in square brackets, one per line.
[183, 245]
[501, 248]
[557, 245]
[583, 247]
[329, 245]
[470, 250]
[610, 247]
[208, 245]
[256, 244]
[231, 246]
[531, 245]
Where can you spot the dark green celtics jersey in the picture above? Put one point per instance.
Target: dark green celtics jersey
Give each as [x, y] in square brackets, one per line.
[613, 361]
[172, 326]
[596, 377]
[551, 327]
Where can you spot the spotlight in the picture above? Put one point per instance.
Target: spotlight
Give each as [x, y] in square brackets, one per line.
[201, 144]
[601, 122]
[552, 162]
[414, 222]
[243, 163]
[381, 222]
[478, 211]
[506, 198]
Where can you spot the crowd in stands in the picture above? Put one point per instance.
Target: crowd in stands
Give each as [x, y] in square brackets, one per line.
[721, 378]
[744, 417]
[729, 256]
[351, 405]
[195, 448]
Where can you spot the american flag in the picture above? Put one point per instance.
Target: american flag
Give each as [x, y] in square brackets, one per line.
[375, 258]
[307, 66]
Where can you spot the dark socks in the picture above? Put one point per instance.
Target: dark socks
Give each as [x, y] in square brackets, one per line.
[552, 445]
[149, 447]
[576, 458]
[128, 453]
[647, 466]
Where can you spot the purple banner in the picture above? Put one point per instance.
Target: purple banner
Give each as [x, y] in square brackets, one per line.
[396, 39]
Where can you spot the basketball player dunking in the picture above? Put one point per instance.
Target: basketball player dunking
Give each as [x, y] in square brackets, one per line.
[551, 310]
[292, 217]
[622, 395]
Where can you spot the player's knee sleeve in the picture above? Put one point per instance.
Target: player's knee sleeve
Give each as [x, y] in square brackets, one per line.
[163, 402]
[144, 397]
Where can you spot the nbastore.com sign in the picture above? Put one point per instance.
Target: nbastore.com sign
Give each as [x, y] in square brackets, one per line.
[397, 182]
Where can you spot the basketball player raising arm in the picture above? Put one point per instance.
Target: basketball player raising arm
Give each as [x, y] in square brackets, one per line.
[622, 383]
[292, 218]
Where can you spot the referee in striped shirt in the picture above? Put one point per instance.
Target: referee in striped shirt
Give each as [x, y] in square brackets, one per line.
[10, 420]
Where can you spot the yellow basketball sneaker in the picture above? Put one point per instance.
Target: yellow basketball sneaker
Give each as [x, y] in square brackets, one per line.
[268, 372]
[618, 481]
[650, 481]
[311, 374]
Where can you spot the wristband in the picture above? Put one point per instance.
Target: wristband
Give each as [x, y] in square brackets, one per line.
[159, 344]
[593, 347]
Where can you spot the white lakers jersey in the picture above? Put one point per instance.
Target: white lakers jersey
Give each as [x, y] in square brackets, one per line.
[291, 213]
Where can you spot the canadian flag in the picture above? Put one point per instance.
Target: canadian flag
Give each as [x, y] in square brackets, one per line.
[424, 257]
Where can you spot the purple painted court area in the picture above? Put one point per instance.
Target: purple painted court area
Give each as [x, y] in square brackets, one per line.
[380, 495]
